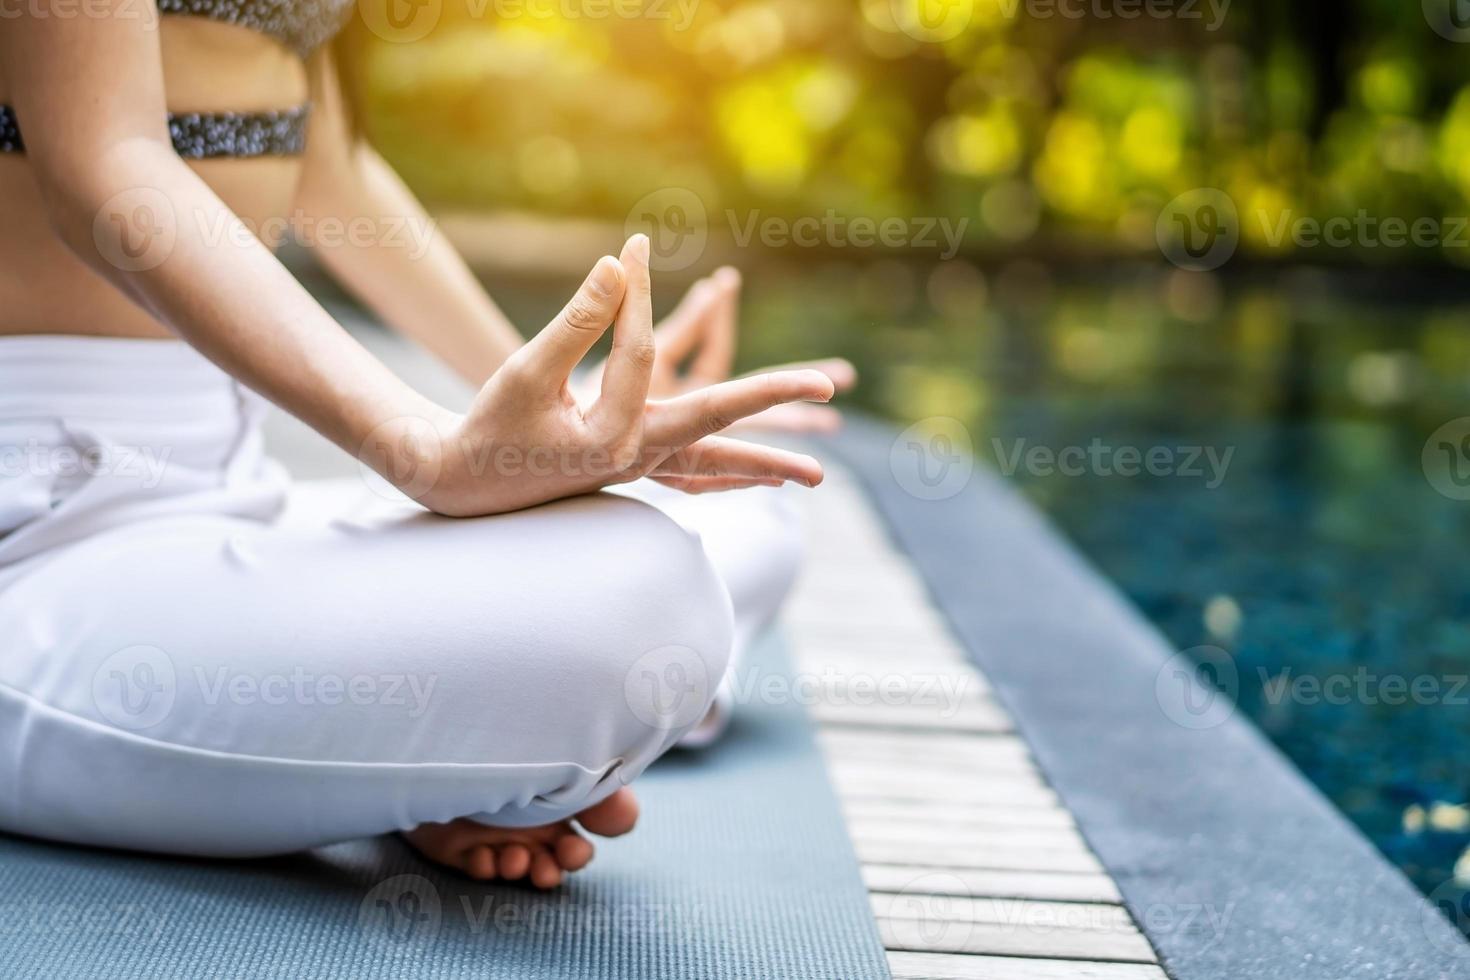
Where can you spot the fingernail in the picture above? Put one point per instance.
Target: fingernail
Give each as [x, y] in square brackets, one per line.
[640, 246]
[604, 278]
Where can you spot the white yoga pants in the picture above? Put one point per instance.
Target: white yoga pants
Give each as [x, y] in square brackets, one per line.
[198, 657]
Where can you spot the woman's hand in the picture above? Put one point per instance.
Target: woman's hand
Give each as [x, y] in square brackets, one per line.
[526, 440]
[700, 337]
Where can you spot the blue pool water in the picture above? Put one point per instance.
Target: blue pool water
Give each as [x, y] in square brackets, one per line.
[1273, 511]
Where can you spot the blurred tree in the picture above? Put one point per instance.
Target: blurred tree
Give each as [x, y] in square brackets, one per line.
[1043, 130]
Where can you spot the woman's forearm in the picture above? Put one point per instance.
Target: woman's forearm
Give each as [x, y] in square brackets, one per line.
[404, 269]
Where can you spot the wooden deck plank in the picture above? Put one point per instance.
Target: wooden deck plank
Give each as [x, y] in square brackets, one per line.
[974, 766]
[978, 717]
[1043, 838]
[982, 939]
[944, 854]
[930, 744]
[945, 966]
[921, 663]
[1016, 912]
[851, 626]
[945, 817]
[994, 791]
[927, 771]
[978, 883]
[859, 689]
[975, 869]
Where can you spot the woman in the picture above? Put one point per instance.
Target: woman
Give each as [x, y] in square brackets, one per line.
[198, 657]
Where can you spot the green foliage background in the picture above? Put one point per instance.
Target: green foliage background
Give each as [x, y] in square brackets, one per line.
[1050, 124]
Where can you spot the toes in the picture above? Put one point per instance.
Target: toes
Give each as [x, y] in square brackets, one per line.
[515, 861]
[544, 870]
[613, 816]
[480, 863]
[573, 851]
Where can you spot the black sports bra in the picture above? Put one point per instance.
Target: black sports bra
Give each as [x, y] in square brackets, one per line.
[302, 25]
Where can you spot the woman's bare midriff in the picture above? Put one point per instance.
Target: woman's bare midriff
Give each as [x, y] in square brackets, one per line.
[208, 67]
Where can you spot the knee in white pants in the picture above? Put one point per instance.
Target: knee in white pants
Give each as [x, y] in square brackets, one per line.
[641, 654]
[664, 673]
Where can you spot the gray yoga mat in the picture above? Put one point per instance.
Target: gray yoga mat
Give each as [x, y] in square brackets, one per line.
[740, 869]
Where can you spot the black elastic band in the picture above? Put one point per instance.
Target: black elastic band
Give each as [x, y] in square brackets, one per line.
[202, 135]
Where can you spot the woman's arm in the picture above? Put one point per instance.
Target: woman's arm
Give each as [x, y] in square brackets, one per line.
[88, 93]
[125, 204]
[402, 268]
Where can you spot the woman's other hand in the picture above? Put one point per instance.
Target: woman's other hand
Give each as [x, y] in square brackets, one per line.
[695, 346]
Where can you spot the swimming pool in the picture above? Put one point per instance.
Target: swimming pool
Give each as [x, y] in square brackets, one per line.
[1247, 461]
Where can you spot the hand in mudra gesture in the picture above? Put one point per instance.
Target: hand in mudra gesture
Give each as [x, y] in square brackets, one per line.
[526, 439]
[695, 347]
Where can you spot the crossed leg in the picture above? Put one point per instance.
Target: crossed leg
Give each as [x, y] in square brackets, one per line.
[213, 686]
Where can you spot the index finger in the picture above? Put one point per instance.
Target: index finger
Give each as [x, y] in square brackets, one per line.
[629, 366]
[679, 421]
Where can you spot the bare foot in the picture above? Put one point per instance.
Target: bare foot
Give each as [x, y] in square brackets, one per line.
[541, 853]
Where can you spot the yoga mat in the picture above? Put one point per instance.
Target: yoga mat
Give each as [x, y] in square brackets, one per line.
[741, 868]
